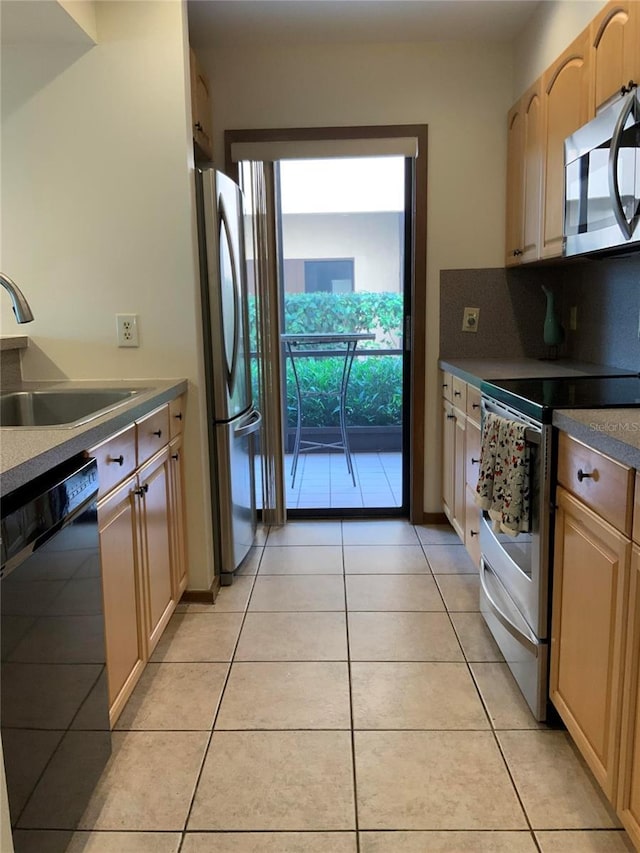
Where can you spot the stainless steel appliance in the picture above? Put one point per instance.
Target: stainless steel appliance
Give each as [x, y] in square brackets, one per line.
[515, 572]
[54, 703]
[233, 420]
[602, 180]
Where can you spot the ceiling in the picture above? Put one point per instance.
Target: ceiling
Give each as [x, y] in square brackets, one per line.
[272, 22]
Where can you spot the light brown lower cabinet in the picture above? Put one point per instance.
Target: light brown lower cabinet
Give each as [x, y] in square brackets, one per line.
[154, 510]
[142, 548]
[590, 589]
[122, 592]
[179, 540]
[629, 780]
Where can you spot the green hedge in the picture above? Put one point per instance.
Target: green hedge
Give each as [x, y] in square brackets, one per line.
[349, 313]
[374, 396]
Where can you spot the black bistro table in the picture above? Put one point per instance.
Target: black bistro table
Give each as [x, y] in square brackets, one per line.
[323, 345]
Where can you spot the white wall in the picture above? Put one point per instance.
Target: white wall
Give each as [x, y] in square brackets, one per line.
[462, 91]
[97, 215]
[373, 240]
[551, 28]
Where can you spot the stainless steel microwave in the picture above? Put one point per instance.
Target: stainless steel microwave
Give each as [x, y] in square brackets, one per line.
[602, 180]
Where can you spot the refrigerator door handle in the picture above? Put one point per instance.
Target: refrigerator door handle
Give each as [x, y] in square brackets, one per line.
[249, 426]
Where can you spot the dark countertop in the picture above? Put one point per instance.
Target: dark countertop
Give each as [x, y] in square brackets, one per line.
[476, 370]
[26, 453]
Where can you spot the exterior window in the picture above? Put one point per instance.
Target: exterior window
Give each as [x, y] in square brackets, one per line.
[329, 276]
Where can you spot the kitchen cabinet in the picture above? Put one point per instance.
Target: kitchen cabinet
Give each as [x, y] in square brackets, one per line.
[591, 573]
[142, 543]
[590, 592]
[453, 466]
[200, 107]
[460, 460]
[565, 107]
[472, 466]
[122, 592]
[524, 177]
[614, 36]
[154, 515]
[628, 805]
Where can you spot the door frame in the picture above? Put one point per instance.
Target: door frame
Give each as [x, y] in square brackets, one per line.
[418, 267]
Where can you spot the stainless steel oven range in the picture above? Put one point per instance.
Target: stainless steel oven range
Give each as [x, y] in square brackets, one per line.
[515, 571]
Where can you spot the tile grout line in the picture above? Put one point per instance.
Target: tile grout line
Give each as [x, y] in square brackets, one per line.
[219, 705]
[352, 732]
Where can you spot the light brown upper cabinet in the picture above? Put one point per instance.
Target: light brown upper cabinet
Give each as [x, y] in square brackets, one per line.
[200, 107]
[565, 97]
[524, 177]
[615, 44]
[515, 185]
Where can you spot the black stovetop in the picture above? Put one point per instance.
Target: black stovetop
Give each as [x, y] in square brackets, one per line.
[537, 398]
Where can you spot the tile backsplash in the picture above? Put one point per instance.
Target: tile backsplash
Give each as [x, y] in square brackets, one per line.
[512, 309]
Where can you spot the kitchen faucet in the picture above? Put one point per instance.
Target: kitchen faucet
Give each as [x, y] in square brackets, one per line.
[20, 305]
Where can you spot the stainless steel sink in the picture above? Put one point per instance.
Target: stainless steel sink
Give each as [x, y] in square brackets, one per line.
[63, 408]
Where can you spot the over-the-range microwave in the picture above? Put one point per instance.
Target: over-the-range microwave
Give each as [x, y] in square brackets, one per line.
[602, 180]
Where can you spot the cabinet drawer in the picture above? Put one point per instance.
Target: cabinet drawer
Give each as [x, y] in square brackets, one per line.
[116, 458]
[177, 410]
[601, 483]
[473, 403]
[459, 393]
[152, 433]
[447, 386]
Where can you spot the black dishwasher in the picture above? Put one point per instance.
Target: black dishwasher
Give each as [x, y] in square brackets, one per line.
[53, 702]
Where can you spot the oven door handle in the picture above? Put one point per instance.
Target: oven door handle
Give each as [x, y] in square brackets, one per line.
[528, 639]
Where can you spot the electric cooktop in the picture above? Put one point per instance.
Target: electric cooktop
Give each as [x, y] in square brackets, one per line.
[537, 398]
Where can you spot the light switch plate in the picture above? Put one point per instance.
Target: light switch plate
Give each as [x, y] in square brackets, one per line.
[470, 319]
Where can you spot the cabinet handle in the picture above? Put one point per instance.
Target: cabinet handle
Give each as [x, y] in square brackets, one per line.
[457, 393]
[473, 532]
[118, 459]
[475, 405]
[517, 252]
[142, 491]
[445, 384]
[175, 456]
[474, 461]
[451, 417]
[583, 474]
[198, 126]
[157, 432]
[178, 416]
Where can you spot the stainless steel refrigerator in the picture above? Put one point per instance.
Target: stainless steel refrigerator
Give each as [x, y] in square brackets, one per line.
[233, 420]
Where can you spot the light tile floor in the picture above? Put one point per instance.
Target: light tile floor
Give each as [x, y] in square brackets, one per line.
[343, 696]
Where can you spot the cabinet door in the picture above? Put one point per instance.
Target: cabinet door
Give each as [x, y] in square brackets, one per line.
[591, 574]
[629, 783]
[515, 185]
[615, 44]
[448, 458]
[565, 96]
[154, 502]
[200, 107]
[459, 495]
[177, 517]
[123, 594]
[532, 172]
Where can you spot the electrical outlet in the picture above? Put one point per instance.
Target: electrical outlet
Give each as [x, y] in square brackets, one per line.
[127, 326]
[573, 318]
[470, 319]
